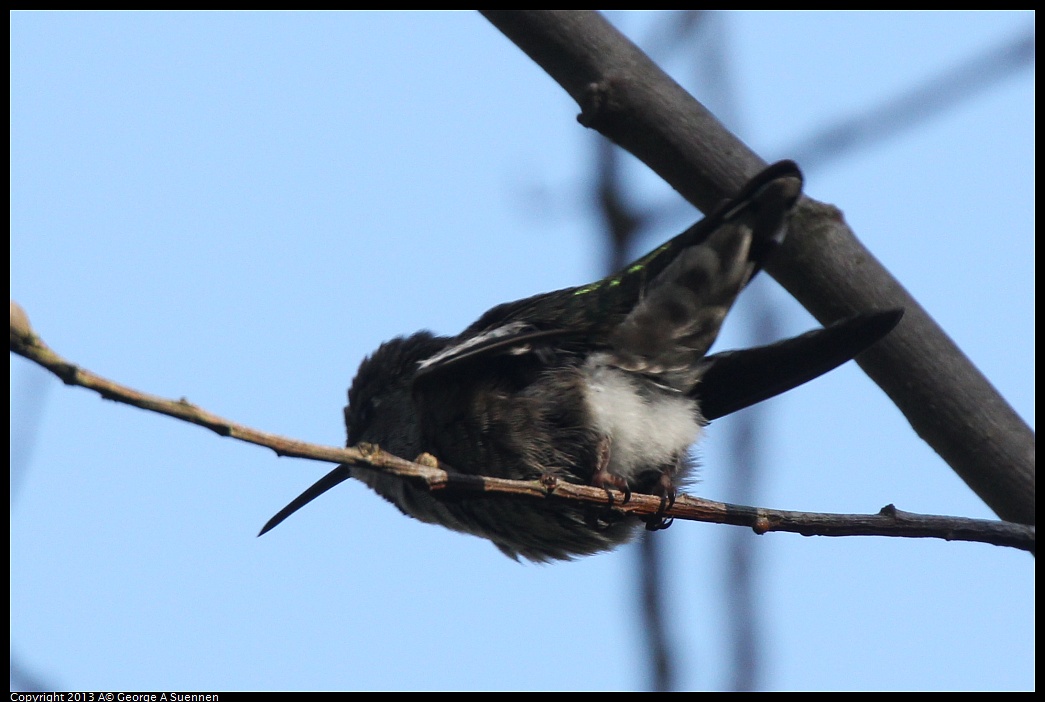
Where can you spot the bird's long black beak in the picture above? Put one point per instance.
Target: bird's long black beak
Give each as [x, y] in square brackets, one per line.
[331, 479]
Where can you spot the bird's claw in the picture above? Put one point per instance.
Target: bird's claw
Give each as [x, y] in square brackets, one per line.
[606, 479]
[666, 490]
[611, 481]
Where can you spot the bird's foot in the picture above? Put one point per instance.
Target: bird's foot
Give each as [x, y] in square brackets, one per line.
[665, 489]
[606, 479]
[428, 460]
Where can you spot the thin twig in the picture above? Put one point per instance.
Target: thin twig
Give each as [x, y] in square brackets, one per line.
[888, 522]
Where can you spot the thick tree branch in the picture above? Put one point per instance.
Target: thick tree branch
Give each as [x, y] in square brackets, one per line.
[888, 522]
[631, 101]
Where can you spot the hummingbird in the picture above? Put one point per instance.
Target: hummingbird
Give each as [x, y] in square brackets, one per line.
[606, 384]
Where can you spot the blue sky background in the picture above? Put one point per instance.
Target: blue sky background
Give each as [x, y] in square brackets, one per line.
[236, 208]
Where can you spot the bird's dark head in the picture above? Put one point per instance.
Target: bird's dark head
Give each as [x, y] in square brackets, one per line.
[380, 411]
[380, 407]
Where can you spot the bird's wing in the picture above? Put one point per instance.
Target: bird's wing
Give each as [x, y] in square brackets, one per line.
[513, 339]
[681, 309]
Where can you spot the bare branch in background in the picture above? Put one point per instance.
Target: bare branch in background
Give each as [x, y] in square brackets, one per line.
[622, 223]
[932, 97]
